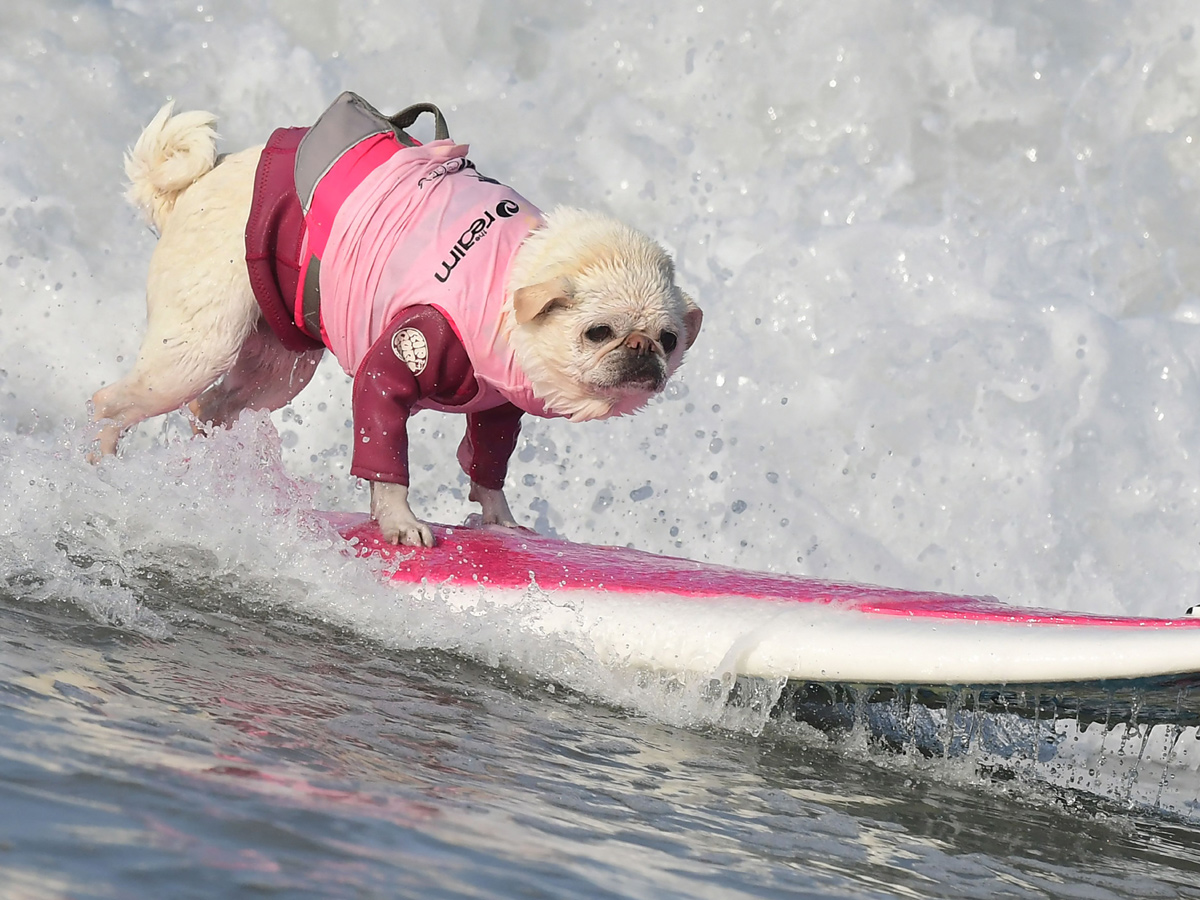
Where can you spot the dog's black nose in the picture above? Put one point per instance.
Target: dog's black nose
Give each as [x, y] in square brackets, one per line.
[639, 344]
[644, 370]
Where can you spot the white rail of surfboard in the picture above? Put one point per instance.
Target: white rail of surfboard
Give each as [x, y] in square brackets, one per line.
[773, 639]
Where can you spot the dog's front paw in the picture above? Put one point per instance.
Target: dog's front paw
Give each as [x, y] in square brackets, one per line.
[390, 509]
[410, 534]
[495, 506]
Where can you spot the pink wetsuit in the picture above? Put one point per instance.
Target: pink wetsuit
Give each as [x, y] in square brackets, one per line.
[412, 250]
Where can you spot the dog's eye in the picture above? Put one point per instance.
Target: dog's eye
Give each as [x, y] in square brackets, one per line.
[598, 334]
[669, 340]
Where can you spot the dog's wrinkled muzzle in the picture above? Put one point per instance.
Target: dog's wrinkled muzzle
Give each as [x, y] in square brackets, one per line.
[642, 366]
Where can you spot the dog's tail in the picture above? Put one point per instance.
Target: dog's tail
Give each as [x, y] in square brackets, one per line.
[172, 153]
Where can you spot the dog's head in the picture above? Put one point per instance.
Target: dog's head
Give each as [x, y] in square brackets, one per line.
[595, 317]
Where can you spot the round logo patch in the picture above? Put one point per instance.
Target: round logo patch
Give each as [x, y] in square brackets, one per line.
[411, 348]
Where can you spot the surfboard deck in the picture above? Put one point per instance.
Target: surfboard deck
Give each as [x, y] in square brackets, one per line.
[631, 607]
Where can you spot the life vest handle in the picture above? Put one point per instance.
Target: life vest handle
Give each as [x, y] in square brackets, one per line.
[407, 116]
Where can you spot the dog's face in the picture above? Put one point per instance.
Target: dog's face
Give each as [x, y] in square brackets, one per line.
[601, 335]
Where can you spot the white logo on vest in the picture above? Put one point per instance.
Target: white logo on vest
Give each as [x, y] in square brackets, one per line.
[411, 348]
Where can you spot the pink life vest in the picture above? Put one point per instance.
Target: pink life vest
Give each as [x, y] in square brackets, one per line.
[391, 224]
[423, 228]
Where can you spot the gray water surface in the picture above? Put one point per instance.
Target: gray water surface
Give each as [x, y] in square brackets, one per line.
[252, 753]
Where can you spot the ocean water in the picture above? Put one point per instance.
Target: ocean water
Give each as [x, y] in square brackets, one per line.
[948, 257]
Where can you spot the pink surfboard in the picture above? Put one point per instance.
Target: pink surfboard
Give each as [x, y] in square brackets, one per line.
[667, 612]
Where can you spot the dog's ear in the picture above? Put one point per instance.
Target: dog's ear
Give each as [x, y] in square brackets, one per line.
[691, 321]
[532, 300]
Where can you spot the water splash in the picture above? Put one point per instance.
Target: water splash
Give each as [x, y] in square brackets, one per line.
[1132, 744]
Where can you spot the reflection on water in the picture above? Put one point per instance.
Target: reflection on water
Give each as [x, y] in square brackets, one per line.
[253, 749]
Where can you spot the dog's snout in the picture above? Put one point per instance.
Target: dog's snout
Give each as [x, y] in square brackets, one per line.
[644, 370]
[639, 343]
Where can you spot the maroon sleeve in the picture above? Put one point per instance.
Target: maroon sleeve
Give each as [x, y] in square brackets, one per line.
[489, 442]
[418, 355]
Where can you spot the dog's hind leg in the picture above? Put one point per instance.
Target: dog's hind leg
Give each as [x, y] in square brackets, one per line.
[266, 375]
[172, 369]
[200, 306]
[158, 384]
[194, 334]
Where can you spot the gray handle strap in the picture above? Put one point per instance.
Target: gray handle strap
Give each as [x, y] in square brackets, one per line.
[406, 117]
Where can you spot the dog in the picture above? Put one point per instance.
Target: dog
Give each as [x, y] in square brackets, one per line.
[435, 287]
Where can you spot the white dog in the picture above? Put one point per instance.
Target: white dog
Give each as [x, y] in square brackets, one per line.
[434, 286]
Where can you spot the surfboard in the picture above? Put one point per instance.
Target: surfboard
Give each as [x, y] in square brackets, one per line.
[632, 608]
